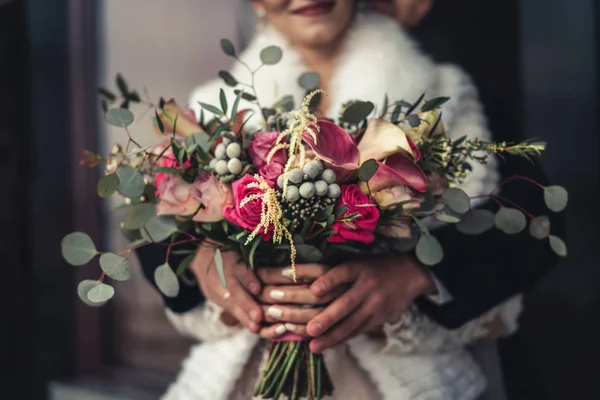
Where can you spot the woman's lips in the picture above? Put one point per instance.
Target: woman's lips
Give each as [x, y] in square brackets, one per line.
[316, 9]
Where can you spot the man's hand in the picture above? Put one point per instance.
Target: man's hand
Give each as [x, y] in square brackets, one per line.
[381, 291]
[242, 285]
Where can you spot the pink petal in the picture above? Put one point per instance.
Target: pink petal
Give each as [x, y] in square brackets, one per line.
[398, 170]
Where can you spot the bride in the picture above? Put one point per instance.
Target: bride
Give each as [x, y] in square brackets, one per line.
[398, 350]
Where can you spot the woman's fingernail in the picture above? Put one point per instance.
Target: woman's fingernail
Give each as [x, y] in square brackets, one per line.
[277, 294]
[318, 289]
[290, 327]
[314, 329]
[287, 272]
[254, 315]
[280, 330]
[253, 287]
[275, 312]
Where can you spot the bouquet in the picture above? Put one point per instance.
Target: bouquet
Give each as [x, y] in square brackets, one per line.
[298, 189]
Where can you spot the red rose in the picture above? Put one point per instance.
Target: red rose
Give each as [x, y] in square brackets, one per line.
[361, 228]
[261, 145]
[248, 216]
[271, 172]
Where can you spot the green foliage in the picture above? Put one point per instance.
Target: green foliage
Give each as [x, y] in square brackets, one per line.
[159, 228]
[159, 123]
[218, 258]
[228, 78]
[539, 228]
[119, 117]
[558, 245]
[107, 185]
[184, 264]
[286, 103]
[413, 107]
[223, 100]
[121, 85]
[210, 108]
[434, 103]
[367, 170]
[139, 215]
[556, 198]
[357, 112]
[252, 254]
[308, 254]
[200, 140]
[429, 250]
[131, 182]
[309, 81]
[476, 222]
[414, 120]
[227, 47]
[245, 96]
[78, 248]
[271, 55]
[457, 200]
[510, 220]
[236, 104]
[447, 218]
[100, 293]
[83, 288]
[166, 280]
[115, 266]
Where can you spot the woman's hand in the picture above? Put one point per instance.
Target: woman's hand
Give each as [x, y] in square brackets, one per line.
[285, 303]
[242, 285]
[381, 290]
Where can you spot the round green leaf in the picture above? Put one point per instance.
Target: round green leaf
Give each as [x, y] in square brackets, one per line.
[429, 250]
[447, 218]
[166, 280]
[308, 254]
[510, 220]
[101, 293]
[558, 245]
[556, 198]
[228, 78]
[309, 80]
[367, 170]
[539, 228]
[84, 288]
[120, 117]
[107, 185]
[271, 55]
[457, 200]
[476, 222]
[115, 266]
[131, 182]
[227, 47]
[200, 139]
[404, 245]
[138, 216]
[357, 111]
[78, 248]
[160, 228]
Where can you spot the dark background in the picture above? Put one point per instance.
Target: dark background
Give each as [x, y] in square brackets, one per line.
[535, 62]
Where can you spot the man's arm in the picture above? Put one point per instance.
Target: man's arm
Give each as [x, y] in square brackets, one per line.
[482, 271]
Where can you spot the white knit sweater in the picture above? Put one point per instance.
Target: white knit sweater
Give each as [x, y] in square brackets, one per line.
[422, 360]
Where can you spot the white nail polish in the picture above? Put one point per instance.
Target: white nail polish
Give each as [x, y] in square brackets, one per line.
[277, 294]
[290, 327]
[287, 272]
[275, 312]
[280, 330]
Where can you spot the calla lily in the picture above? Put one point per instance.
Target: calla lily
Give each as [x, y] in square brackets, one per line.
[336, 149]
[382, 139]
[398, 169]
[429, 119]
[186, 120]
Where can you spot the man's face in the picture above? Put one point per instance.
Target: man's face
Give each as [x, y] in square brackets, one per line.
[407, 12]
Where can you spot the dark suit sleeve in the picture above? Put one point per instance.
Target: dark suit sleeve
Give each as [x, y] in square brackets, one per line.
[480, 272]
[154, 255]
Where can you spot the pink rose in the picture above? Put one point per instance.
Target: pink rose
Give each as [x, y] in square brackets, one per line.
[203, 199]
[361, 228]
[271, 172]
[248, 216]
[261, 145]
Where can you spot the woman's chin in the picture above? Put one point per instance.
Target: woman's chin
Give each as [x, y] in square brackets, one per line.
[318, 36]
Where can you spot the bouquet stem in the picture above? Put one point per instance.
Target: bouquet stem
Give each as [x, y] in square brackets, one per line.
[292, 370]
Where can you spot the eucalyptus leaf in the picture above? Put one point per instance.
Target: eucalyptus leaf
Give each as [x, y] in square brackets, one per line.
[309, 80]
[457, 200]
[558, 245]
[159, 228]
[137, 243]
[122, 85]
[107, 185]
[308, 254]
[245, 96]
[476, 222]
[510, 220]
[227, 47]
[120, 117]
[414, 120]
[447, 218]
[429, 250]
[131, 182]
[184, 264]
[115, 266]
[402, 245]
[286, 103]
[357, 111]
[271, 55]
[556, 198]
[166, 280]
[228, 78]
[367, 170]
[539, 227]
[139, 215]
[200, 139]
[210, 108]
[413, 106]
[78, 248]
[252, 253]
[108, 95]
[218, 258]
[434, 103]
[100, 293]
[83, 288]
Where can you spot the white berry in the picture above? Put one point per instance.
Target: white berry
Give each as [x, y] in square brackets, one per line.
[321, 188]
[226, 141]
[334, 191]
[234, 150]
[220, 151]
[221, 167]
[295, 175]
[234, 166]
[213, 163]
[312, 169]
[280, 181]
[292, 194]
[329, 176]
[307, 190]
